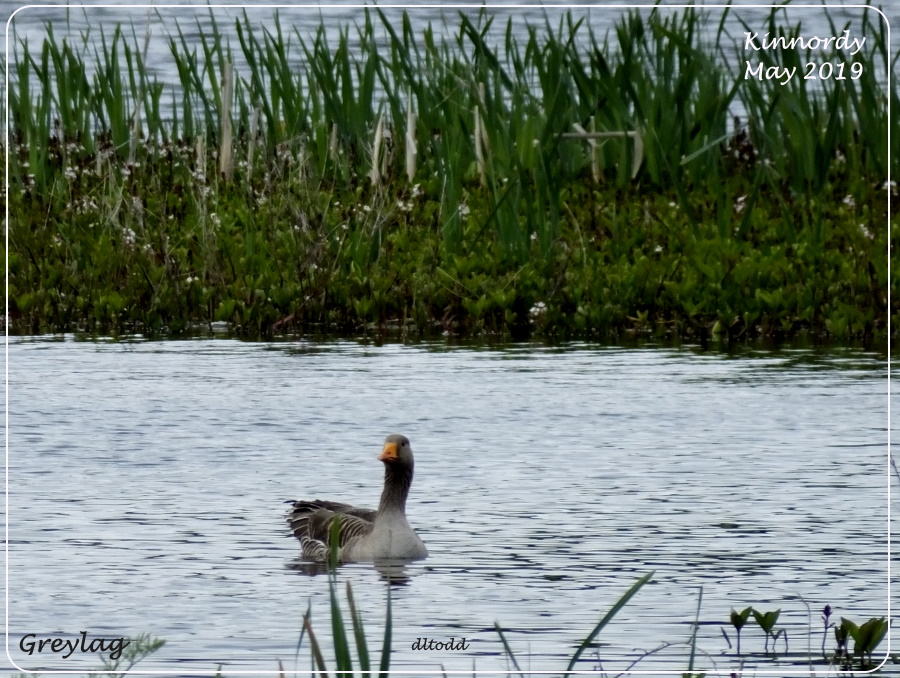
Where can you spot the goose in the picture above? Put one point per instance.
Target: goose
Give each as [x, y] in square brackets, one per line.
[365, 535]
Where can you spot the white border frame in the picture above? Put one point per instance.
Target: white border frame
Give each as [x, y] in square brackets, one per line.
[202, 7]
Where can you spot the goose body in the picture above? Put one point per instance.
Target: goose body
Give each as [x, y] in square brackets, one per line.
[365, 535]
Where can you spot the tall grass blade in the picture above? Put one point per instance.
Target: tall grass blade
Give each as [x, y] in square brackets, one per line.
[362, 648]
[585, 644]
[316, 650]
[385, 665]
[506, 647]
[696, 628]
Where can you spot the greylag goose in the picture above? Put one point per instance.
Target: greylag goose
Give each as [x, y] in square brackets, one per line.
[364, 534]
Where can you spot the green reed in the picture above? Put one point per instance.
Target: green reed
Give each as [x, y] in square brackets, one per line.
[120, 214]
[661, 79]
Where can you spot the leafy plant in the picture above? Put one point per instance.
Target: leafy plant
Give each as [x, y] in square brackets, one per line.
[738, 620]
[766, 621]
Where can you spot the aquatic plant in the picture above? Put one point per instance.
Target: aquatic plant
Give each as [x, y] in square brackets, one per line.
[766, 621]
[866, 637]
[429, 184]
[738, 619]
[589, 639]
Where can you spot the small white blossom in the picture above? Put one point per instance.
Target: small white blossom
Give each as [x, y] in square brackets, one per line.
[849, 201]
[866, 232]
[129, 237]
[417, 191]
[538, 310]
[740, 203]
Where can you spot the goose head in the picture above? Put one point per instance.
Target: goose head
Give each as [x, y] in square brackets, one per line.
[397, 451]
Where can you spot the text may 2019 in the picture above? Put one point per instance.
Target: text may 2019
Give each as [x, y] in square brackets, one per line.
[812, 70]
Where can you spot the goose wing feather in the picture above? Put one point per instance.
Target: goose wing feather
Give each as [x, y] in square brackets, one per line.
[336, 506]
[311, 521]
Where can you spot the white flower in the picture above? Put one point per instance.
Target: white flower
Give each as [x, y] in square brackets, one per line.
[866, 232]
[464, 210]
[417, 190]
[657, 249]
[129, 236]
[740, 203]
[849, 201]
[539, 309]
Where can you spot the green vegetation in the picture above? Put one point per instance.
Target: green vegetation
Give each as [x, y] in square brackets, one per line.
[586, 643]
[422, 184]
[866, 636]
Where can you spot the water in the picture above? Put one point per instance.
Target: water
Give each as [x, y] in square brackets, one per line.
[147, 481]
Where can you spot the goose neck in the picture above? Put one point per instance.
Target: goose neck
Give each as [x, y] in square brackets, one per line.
[397, 479]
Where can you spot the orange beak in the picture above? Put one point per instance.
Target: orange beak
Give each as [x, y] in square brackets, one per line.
[389, 453]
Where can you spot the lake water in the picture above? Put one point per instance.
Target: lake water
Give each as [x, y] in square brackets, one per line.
[147, 481]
